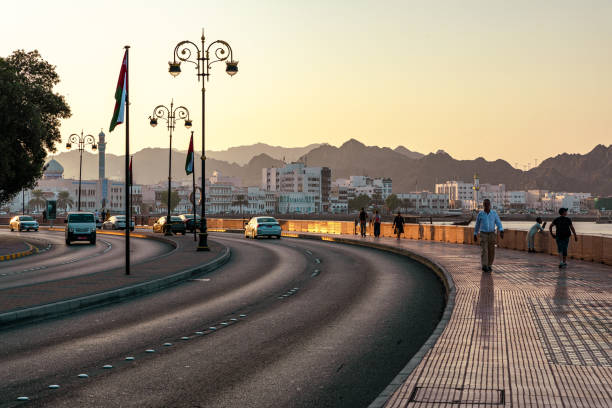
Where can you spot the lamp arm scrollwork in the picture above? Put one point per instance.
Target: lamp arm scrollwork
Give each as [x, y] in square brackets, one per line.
[162, 112]
[181, 112]
[183, 52]
[221, 53]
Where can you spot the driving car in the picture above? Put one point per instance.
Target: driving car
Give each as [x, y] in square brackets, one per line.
[176, 224]
[117, 222]
[80, 226]
[262, 227]
[188, 221]
[23, 223]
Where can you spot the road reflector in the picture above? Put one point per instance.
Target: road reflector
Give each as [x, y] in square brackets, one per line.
[54, 386]
[107, 366]
[23, 398]
[83, 376]
[130, 359]
[149, 351]
[167, 344]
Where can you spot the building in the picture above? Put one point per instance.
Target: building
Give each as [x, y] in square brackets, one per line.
[460, 194]
[311, 182]
[423, 202]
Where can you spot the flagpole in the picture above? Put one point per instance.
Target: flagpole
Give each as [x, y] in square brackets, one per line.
[128, 218]
[195, 215]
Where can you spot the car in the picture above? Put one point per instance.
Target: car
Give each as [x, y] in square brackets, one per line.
[23, 223]
[176, 225]
[80, 226]
[117, 222]
[262, 227]
[188, 221]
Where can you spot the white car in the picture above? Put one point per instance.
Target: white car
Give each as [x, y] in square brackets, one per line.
[80, 226]
[262, 227]
[23, 223]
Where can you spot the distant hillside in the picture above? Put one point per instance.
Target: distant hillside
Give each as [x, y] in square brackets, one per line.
[243, 154]
[151, 166]
[567, 172]
[591, 172]
[408, 153]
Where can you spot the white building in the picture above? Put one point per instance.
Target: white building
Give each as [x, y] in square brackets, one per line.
[460, 194]
[296, 203]
[423, 202]
[297, 178]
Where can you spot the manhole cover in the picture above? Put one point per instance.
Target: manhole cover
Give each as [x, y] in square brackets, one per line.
[450, 395]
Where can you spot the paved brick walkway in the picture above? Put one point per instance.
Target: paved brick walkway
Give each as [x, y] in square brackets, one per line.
[527, 335]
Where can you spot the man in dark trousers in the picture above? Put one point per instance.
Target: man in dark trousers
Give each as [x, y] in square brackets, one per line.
[398, 225]
[363, 217]
[486, 221]
[564, 230]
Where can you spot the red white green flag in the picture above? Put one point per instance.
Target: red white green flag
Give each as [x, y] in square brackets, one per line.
[120, 95]
[189, 161]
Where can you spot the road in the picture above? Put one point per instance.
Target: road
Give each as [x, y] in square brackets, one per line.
[61, 261]
[285, 323]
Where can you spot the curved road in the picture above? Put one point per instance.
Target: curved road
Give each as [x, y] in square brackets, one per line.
[284, 323]
[62, 261]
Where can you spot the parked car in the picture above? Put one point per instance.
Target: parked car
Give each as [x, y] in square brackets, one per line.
[80, 226]
[262, 227]
[23, 223]
[175, 224]
[117, 222]
[188, 221]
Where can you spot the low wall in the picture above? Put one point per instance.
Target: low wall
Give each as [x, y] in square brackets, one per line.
[588, 248]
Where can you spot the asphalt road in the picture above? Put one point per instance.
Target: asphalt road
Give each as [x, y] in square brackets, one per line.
[296, 323]
[62, 261]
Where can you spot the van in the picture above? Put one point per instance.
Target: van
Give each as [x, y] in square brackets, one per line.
[80, 226]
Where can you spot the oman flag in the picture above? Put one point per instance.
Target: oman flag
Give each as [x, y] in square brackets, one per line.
[189, 161]
[120, 95]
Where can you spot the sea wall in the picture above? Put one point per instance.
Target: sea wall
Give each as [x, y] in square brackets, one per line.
[588, 248]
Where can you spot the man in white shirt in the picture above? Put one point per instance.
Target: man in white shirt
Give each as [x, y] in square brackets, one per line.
[486, 221]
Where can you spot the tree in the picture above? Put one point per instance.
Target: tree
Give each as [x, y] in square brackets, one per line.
[359, 202]
[64, 200]
[174, 199]
[38, 199]
[240, 200]
[393, 202]
[30, 114]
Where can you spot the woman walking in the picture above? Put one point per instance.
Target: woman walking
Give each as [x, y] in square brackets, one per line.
[376, 222]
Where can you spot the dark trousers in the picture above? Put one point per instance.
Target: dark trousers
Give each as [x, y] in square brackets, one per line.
[363, 228]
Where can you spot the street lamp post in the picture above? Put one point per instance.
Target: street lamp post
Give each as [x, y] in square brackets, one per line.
[81, 141]
[170, 116]
[203, 61]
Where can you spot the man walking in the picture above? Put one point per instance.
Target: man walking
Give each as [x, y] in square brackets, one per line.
[564, 229]
[363, 217]
[485, 224]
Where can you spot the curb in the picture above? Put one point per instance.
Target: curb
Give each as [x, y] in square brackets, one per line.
[21, 254]
[111, 296]
[442, 274]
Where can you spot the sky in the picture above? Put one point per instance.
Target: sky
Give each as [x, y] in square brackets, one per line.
[517, 80]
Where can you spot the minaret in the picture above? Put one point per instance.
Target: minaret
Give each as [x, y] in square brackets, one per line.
[476, 187]
[101, 155]
[102, 170]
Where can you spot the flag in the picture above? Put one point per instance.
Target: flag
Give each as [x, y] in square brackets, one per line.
[120, 95]
[131, 173]
[189, 161]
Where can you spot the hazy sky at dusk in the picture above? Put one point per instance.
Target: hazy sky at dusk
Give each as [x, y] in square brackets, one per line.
[516, 80]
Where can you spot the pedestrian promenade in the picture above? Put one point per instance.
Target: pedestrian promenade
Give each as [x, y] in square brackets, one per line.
[527, 335]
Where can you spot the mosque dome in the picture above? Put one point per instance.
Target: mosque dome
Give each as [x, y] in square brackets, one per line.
[53, 170]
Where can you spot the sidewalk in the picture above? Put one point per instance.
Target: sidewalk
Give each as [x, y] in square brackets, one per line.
[61, 296]
[527, 335]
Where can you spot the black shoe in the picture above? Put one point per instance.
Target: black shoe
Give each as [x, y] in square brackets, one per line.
[489, 269]
[484, 269]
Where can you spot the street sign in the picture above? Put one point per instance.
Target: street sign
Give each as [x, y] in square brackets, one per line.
[51, 209]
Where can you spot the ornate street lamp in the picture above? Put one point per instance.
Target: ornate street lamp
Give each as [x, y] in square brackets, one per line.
[203, 61]
[81, 141]
[170, 116]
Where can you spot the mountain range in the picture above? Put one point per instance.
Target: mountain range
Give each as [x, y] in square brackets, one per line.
[410, 171]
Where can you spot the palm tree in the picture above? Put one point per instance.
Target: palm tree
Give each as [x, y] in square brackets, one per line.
[64, 200]
[240, 200]
[38, 200]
